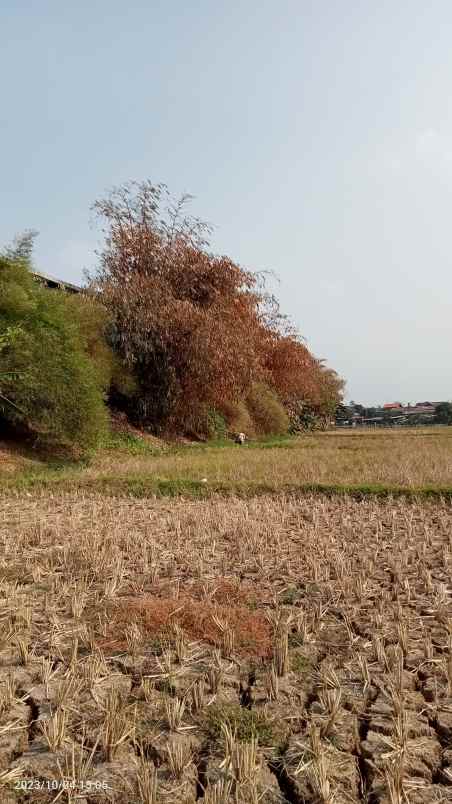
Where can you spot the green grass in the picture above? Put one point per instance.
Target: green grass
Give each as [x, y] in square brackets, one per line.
[245, 724]
[300, 664]
[266, 442]
[130, 444]
[70, 480]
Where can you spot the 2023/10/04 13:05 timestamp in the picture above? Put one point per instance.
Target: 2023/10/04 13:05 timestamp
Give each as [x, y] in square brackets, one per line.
[59, 784]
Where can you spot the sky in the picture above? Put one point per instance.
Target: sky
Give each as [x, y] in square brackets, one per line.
[316, 135]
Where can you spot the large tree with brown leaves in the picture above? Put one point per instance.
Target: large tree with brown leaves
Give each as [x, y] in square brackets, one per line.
[196, 328]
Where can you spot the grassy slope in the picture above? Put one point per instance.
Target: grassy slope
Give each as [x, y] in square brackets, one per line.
[381, 463]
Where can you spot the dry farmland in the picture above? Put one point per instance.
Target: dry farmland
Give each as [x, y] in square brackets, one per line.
[268, 649]
[410, 458]
[407, 457]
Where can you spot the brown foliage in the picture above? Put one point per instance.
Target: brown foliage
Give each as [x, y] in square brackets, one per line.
[186, 319]
[299, 377]
[197, 329]
[156, 614]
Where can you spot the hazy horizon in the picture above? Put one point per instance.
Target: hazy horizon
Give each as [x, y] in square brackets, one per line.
[318, 141]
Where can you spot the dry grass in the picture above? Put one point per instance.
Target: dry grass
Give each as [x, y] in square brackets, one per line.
[411, 457]
[404, 458]
[198, 619]
[260, 650]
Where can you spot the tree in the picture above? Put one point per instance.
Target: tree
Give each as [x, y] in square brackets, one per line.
[197, 330]
[187, 322]
[53, 388]
[21, 248]
[344, 413]
[310, 390]
[7, 338]
[443, 413]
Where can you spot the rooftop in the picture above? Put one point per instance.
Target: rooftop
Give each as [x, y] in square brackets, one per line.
[53, 282]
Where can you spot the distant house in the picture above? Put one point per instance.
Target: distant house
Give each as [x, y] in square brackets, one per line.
[56, 284]
[390, 414]
[424, 407]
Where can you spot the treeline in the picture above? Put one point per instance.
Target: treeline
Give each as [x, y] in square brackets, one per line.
[183, 340]
[385, 417]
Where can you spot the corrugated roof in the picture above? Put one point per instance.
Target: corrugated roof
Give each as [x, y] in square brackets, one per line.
[52, 281]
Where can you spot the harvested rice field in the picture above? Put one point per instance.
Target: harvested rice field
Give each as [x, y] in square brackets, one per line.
[408, 459]
[272, 649]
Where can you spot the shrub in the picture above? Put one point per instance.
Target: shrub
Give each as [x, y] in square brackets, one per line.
[55, 387]
[302, 417]
[238, 418]
[92, 321]
[266, 411]
[96, 329]
[216, 424]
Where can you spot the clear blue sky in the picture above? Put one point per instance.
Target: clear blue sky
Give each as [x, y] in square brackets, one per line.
[315, 134]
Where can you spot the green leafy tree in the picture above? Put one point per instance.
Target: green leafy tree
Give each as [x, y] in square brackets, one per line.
[6, 338]
[53, 388]
[443, 413]
[344, 413]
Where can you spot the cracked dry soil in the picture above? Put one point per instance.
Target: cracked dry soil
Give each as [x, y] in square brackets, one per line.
[264, 650]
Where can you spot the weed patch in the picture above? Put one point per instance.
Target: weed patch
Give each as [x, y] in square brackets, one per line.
[245, 724]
